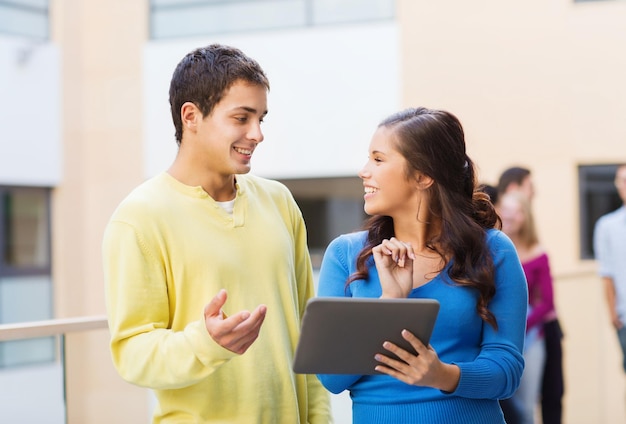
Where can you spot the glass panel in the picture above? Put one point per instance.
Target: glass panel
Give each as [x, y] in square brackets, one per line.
[334, 11]
[24, 21]
[27, 352]
[25, 299]
[39, 4]
[33, 394]
[227, 17]
[25, 229]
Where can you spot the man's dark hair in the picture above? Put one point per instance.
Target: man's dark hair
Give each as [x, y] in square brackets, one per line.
[203, 76]
[490, 190]
[515, 174]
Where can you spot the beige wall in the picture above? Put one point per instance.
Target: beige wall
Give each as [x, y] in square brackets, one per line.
[594, 378]
[540, 84]
[534, 82]
[101, 45]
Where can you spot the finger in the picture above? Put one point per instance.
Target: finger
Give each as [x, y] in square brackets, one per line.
[414, 341]
[409, 251]
[400, 374]
[389, 371]
[401, 251]
[394, 247]
[247, 331]
[391, 366]
[401, 353]
[382, 255]
[238, 325]
[249, 321]
[213, 308]
[383, 248]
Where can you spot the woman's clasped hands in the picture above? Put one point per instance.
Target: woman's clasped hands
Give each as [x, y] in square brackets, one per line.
[394, 262]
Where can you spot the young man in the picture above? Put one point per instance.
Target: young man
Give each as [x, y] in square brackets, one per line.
[207, 269]
[516, 179]
[609, 240]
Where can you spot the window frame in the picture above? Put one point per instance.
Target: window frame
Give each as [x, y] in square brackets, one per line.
[596, 180]
[8, 270]
[33, 30]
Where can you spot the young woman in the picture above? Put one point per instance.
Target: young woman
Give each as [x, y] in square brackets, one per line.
[431, 235]
[518, 223]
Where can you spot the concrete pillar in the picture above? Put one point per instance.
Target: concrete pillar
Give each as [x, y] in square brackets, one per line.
[101, 48]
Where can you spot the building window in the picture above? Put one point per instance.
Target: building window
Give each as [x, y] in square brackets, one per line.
[330, 207]
[598, 196]
[188, 18]
[25, 18]
[25, 271]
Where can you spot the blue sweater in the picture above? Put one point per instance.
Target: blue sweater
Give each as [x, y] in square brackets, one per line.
[490, 360]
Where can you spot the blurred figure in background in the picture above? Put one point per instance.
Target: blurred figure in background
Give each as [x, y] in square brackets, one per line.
[518, 223]
[516, 178]
[519, 179]
[609, 242]
[490, 191]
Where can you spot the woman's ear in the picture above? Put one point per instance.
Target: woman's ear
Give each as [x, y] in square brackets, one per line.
[423, 181]
[190, 115]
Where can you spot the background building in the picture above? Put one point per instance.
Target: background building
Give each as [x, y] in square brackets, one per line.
[84, 118]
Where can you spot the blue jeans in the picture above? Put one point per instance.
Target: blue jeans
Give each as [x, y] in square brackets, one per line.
[525, 399]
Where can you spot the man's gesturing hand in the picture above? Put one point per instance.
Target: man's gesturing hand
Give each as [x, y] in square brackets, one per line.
[236, 332]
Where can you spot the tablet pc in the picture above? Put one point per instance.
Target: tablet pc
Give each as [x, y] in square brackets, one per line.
[341, 335]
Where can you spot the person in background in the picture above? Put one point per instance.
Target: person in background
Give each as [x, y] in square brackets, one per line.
[516, 178]
[207, 270]
[518, 223]
[519, 179]
[609, 241]
[490, 190]
[431, 235]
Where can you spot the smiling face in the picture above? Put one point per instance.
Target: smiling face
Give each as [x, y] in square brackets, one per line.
[223, 141]
[388, 191]
[512, 214]
[527, 187]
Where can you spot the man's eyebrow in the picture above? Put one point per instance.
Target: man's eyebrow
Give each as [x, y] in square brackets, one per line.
[250, 110]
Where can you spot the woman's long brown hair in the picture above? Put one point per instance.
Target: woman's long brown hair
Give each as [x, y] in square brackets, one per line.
[433, 142]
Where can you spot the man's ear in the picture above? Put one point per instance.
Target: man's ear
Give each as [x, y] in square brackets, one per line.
[190, 116]
[423, 181]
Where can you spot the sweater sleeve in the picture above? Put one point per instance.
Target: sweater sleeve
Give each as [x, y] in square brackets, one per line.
[601, 248]
[145, 351]
[496, 372]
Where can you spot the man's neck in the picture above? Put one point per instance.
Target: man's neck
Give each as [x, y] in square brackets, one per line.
[220, 188]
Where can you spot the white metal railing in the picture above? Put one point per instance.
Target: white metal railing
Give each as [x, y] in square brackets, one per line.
[35, 329]
[53, 327]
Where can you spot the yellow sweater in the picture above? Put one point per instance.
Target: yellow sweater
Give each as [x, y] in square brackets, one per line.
[168, 249]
